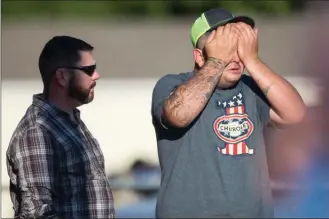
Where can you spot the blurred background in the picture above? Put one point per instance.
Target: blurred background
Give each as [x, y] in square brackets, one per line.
[136, 43]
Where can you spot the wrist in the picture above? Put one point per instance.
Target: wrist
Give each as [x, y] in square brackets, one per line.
[216, 63]
[251, 63]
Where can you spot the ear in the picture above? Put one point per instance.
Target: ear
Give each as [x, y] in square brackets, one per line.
[198, 57]
[62, 77]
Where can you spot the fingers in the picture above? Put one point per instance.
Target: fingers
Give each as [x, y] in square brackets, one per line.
[230, 30]
[256, 31]
[211, 36]
[219, 31]
[227, 28]
[235, 30]
[245, 29]
[245, 26]
[234, 40]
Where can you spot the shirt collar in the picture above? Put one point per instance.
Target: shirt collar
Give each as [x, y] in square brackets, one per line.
[40, 102]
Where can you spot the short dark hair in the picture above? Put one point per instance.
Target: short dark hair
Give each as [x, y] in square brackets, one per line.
[202, 40]
[60, 51]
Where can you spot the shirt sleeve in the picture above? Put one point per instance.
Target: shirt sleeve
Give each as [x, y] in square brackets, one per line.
[34, 160]
[163, 88]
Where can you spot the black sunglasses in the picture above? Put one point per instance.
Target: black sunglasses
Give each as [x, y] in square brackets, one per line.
[89, 70]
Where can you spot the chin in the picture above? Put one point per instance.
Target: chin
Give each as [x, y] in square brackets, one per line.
[90, 99]
[234, 77]
[85, 101]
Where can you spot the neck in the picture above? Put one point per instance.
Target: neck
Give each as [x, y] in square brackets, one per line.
[62, 102]
[224, 86]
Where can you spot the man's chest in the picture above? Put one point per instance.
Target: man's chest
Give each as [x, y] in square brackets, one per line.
[76, 150]
[231, 124]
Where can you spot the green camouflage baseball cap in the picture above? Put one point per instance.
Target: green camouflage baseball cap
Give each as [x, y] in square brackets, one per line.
[214, 18]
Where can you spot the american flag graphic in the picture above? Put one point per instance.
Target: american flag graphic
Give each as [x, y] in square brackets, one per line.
[234, 107]
[236, 149]
[235, 110]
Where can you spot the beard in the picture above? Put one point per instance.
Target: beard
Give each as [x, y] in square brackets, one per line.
[77, 92]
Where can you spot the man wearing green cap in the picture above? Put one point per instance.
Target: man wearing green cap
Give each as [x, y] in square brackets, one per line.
[209, 124]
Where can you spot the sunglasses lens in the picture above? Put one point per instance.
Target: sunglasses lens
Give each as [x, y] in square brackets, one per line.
[89, 70]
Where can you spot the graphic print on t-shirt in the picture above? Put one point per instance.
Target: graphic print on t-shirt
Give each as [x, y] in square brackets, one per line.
[234, 128]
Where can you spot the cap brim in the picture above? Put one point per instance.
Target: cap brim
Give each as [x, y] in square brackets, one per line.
[243, 19]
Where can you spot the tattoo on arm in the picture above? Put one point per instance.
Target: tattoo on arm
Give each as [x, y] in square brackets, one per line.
[267, 89]
[189, 99]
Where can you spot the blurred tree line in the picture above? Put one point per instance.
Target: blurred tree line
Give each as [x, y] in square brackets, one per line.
[155, 8]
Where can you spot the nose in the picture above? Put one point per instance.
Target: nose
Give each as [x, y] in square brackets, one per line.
[95, 76]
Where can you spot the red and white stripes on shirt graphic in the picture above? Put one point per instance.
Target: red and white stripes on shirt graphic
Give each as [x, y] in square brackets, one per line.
[237, 148]
[235, 110]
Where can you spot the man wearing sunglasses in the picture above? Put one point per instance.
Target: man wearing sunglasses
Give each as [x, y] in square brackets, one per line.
[209, 124]
[55, 165]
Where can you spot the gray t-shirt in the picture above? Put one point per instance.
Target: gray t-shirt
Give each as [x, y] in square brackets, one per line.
[217, 166]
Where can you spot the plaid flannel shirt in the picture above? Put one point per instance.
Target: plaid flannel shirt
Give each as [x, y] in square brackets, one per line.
[56, 167]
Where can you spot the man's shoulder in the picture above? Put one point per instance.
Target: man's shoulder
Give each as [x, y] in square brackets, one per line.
[30, 122]
[27, 128]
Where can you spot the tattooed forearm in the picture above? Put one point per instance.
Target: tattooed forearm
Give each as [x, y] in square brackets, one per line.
[188, 100]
